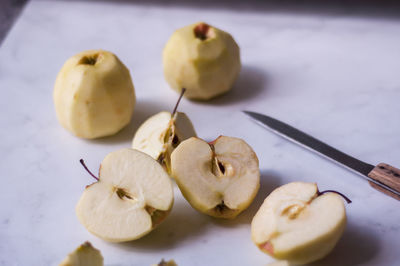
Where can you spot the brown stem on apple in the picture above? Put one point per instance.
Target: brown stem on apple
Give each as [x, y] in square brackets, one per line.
[179, 100]
[201, 31]
[334, 191]
[87, 169]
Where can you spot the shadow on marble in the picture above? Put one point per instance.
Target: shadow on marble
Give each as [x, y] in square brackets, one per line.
[143, 110]
[182, 223]
[252, 81]
[384, 9]
[357, 246]
[269, 181]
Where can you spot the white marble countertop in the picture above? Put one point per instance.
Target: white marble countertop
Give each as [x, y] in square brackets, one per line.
[333, 75]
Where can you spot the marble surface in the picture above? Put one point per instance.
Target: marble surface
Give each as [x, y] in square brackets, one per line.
[334, 75]
[9, 11]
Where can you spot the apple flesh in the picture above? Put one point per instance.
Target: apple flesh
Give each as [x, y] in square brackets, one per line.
[203, 59]
[94, 94]
[220, 178]
[299, 224]
[84, 255]
[160, 134]
[132, 196]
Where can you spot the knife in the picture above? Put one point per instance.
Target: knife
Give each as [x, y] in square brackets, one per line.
[382, 177]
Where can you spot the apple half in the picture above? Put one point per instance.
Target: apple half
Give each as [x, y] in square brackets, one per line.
[132, 196]
[220, 178]
[84, 255]
[298, 223]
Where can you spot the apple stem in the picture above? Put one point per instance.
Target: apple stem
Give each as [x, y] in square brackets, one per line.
[333, 191]
[179, 100]
[87, 169]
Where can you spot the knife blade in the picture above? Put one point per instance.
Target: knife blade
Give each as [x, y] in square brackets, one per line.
[383, 177]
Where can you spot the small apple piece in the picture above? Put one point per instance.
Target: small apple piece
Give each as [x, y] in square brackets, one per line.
[220, 178]
[84, 255]
[165, 263]
[203, 59]
[298, 223]
[94, 94]
[132, 195]
[159, 135]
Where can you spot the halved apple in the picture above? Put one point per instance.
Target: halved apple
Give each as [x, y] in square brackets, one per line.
[298, 223]
[132, 196]
[220, 178]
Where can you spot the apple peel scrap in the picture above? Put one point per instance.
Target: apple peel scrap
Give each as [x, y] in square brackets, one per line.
[84, 255]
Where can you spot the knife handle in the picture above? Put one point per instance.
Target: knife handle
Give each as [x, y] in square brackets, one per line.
[387, 175]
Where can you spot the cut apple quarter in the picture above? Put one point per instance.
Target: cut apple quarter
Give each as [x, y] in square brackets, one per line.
[160, 134]
[220, 178]
[133, 194]
[298, 223]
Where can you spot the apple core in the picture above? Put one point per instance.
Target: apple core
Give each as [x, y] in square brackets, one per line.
[202, 31]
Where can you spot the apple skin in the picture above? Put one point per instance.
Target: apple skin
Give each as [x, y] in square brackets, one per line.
[206, 68]
[94, 95]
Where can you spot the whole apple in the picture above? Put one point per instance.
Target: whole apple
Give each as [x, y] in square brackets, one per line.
[94, 94]
[203, 59]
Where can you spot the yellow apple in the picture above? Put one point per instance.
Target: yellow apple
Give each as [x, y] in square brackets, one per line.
[94, 94]
[203, 59]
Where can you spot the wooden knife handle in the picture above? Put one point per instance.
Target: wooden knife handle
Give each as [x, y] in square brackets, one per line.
[387, 175]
